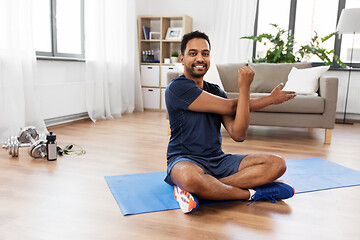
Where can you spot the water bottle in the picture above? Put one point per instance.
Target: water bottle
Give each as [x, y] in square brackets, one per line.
[51, 147]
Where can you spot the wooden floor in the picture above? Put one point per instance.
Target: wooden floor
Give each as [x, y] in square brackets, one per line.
[69, 198]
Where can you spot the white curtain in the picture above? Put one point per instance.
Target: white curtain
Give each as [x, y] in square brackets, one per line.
[234, 19]
[112, 68]
[18, 97]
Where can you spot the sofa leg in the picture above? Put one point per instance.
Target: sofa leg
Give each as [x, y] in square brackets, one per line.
[327, 136]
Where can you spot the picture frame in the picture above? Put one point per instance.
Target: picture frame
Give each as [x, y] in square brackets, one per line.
[155, 35]
[174, 33]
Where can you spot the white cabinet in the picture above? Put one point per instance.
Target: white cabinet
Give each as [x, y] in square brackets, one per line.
[151, 97]
[150, 75]
[164, 72]
[163, 105]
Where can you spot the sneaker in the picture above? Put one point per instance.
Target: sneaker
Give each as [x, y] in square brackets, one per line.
[186, 200]
[273, 191]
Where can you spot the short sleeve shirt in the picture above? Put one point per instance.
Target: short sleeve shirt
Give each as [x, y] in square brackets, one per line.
[192, 133]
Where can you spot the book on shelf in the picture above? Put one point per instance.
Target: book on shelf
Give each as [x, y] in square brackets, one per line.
[146, 32]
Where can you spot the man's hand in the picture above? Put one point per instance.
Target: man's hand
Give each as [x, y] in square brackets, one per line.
[280, 96]
[245, 77]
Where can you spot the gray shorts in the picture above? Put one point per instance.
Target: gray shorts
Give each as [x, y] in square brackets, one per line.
[219, 167]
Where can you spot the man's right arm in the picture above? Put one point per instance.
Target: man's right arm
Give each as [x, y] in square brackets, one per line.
[207, 102]
[238, 123]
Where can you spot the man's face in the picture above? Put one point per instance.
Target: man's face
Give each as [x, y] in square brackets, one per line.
[196, 58]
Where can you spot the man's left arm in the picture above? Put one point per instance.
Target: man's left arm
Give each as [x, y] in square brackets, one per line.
[277, 96]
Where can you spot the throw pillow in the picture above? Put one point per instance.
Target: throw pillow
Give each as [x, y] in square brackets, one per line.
[305, 81]
[179, 67]
[212, 75]
[269, 75]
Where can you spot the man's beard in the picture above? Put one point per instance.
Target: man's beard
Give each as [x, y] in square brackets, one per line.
[193, 73]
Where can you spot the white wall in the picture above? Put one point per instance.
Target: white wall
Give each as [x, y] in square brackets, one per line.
[202, 11]
[61, 83]
[61, 86]
[353, 106]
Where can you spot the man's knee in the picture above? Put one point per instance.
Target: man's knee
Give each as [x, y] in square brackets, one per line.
[187, 176]
[191, 182]
[278, 164]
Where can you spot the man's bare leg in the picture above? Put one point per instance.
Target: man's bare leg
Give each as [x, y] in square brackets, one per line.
[254, 170]
[192, 178]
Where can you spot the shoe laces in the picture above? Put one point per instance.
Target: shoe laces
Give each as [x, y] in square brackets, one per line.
[260, 196]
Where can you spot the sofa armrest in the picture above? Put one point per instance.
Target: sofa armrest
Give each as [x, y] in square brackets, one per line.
[172, 75]
[328, 89]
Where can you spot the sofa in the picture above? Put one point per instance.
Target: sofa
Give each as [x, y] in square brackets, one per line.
[316, 110]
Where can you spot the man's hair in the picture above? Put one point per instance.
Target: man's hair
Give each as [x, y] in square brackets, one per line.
[192, 35]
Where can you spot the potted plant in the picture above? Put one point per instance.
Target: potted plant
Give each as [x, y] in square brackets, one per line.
[281, 48]
[174, 56]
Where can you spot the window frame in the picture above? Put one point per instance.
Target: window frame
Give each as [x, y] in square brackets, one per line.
[292, 20]
[54, 54]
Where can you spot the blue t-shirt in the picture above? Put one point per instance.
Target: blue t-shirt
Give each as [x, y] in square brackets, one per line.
[192, 133]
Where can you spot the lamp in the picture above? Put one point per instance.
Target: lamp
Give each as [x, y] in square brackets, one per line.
[349, 23]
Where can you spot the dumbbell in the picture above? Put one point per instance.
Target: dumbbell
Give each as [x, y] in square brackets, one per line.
[14, 143]
[27, 138]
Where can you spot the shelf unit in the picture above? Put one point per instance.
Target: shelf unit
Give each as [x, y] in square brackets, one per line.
[153, 74]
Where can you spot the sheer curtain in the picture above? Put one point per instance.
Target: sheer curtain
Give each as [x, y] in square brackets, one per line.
[234, 19]
[112, 70]
[18, 97]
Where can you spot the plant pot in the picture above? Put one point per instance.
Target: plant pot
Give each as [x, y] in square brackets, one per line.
[174, 59]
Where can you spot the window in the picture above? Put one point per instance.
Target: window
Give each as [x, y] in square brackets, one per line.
[266, 16]
[310, 15]
[304, 17]
[59, 28]
[42, 25]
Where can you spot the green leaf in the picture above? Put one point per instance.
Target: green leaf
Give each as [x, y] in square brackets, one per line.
[248, 37]
[337, 59]
[327, 37]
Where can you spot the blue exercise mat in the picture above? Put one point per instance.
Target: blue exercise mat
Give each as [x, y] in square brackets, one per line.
[147, 192]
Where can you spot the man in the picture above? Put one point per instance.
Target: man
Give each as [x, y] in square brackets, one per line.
[197, 166]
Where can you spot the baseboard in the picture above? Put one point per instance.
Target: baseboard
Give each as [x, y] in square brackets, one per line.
[66, 119]
[354, 117]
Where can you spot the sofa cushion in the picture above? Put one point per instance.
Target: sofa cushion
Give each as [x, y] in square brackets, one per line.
[269, 75]
[305, 81]
[229, 75]
[300, 104]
